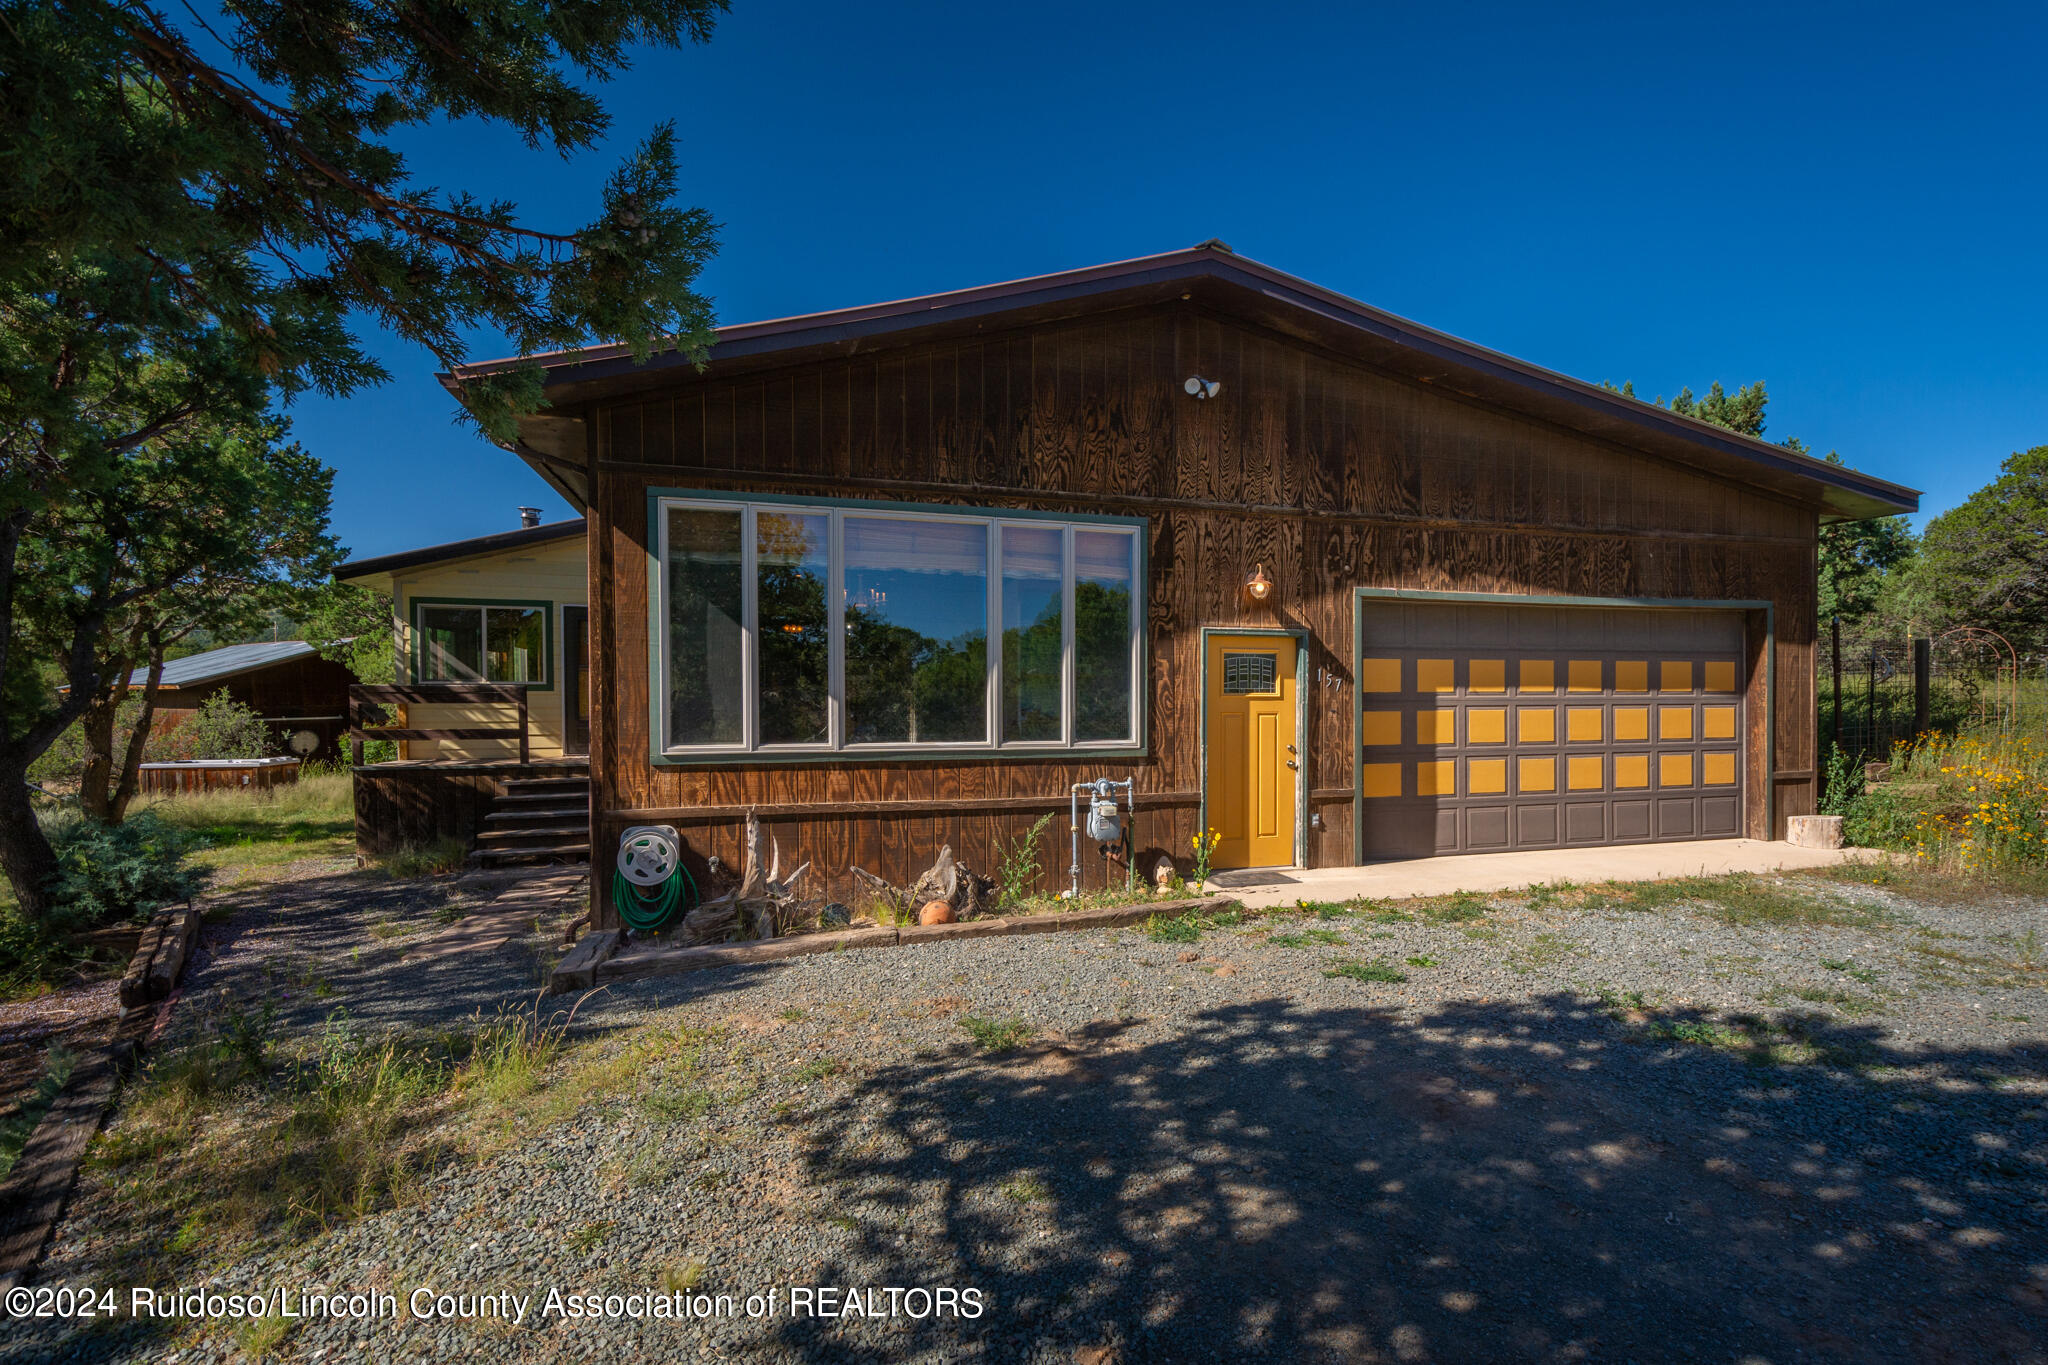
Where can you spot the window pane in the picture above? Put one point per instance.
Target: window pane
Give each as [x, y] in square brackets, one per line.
[704, 682]
[517, 650]
[791, 555]
[916, 631]
[1033, 638]
[451, 644]
[1103, 624]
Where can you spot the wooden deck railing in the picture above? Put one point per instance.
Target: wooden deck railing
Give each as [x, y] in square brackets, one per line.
[437, 694]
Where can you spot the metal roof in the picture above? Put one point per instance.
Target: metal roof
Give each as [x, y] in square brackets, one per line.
[226, 662]
[458, 549]
[1213, 275]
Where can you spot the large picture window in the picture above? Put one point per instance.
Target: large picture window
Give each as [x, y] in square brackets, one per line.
[784, 628]
[486, 642]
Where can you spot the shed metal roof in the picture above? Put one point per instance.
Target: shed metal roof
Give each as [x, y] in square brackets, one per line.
[226, 662]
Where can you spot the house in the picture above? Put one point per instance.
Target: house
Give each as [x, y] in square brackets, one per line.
[1336, 585]
[497, 609]
[302, 695]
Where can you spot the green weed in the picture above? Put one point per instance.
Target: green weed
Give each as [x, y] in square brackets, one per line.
[1306, 938]
[1375, 970]
[1026, 1188]
[996, 1035]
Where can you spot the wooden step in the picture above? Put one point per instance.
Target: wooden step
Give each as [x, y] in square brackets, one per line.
[518, 833]
[551, 852]
[549, 813]
[539, 798]
[527, 784]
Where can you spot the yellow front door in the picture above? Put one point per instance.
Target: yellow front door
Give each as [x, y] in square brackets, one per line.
[1253, 765]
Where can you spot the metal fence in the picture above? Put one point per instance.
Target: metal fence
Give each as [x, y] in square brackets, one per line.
[1875, 693]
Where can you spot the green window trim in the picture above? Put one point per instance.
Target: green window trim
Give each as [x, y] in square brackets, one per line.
[416, 656]
[837, 750]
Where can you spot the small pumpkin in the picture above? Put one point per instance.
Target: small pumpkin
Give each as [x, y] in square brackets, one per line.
[936, 912]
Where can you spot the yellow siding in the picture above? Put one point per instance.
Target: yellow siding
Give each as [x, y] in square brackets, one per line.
[552, 573]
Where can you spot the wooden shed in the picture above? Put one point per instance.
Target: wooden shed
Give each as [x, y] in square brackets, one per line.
[301, 694]
[1332, 583]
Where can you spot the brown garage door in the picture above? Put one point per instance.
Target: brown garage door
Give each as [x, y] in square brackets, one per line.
[1487, 728]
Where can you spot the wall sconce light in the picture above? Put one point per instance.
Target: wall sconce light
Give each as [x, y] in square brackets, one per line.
[1199, 387]
[1257, 586]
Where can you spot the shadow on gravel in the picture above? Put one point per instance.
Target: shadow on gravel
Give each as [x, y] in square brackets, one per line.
[305, 948]
[1493, 1182]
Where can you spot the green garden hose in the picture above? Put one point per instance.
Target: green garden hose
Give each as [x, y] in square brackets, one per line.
[646, 911]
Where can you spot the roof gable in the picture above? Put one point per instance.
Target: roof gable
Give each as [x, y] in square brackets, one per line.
[1213, 276]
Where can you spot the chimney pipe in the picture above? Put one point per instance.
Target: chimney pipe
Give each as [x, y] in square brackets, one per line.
[529, 517]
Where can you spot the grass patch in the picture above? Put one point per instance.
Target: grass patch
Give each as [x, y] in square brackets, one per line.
[820, 1069]
[16, 1128]
[1189, 927]
[1462, 908]
[1383, 912]
[1375, 970]
[1307, 938]
[415, 861]
[237, 1148]
[311, 818]
[1026, 1188]
[995, 1035]
[1423, 960]
[1850, 969]
[1544, 950]
[1756, 1040]
[1932, 884]
[682, 1277]
[675, 1105]
[261, 1336]
[589, 1235]
[1735, 898]
[1822, 995]
[1174, 929]
[1328, 909]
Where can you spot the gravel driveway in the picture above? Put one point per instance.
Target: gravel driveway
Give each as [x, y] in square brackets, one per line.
[1558, 1138]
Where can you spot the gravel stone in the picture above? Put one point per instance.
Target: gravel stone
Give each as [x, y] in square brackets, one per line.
[1229, 1153]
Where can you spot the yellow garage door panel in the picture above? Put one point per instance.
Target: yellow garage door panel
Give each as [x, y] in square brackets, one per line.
[1539, 726]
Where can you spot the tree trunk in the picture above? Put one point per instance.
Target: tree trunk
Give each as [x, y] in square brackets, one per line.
[25, 853]
[138, 738]
[96, 778]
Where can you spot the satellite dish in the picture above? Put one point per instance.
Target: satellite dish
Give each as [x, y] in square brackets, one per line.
[303, 742]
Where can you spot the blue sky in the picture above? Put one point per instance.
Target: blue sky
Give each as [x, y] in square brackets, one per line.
[1844, 201]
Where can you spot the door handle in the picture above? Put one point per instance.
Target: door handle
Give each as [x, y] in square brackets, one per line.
[1292, 764]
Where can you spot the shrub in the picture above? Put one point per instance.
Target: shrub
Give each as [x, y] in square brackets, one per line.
[1018, 868]
[114, 872]
[1968, 803]
[1841, 782]
[221, 728]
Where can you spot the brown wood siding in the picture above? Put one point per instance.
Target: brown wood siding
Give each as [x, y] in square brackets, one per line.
[1332, 475]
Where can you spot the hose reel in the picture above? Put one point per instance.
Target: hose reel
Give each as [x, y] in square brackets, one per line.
[652, 883]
